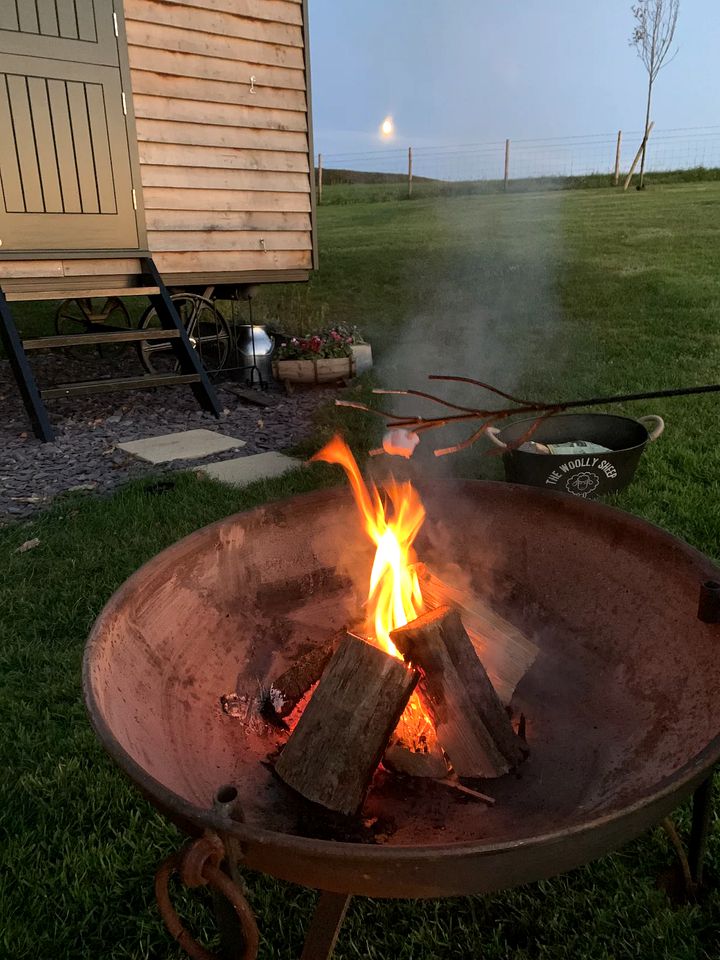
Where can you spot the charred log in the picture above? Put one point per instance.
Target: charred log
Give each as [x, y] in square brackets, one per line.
[472, 725]
[291, 686]
[506, 653]
[428, 762]
[340, 738]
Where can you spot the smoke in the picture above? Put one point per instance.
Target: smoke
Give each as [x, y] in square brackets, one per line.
[484, 304]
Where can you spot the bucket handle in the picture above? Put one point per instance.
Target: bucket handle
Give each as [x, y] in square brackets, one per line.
[653, 424]
[494, 435]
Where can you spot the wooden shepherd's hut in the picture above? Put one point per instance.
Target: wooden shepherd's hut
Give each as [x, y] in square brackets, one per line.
[147, 144]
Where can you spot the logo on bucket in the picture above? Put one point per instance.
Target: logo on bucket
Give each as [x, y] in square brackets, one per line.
[582, 476]
[582, 484]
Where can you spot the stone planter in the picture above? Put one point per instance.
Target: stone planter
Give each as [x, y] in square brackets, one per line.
[314, 371]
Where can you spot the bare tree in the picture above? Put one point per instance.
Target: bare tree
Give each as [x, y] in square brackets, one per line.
[655, 22]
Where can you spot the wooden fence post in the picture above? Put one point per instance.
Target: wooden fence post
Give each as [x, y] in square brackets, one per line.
[409, 171]
[617, 158]
[638, 154]
[507, 164]
[319, 177]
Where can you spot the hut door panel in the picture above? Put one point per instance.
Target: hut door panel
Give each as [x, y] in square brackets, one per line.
[78, 30]
[65, 167]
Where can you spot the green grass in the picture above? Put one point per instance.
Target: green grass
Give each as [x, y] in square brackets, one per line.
[559, 295]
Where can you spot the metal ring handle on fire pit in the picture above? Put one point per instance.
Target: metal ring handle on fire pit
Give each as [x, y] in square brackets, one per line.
[198, 865]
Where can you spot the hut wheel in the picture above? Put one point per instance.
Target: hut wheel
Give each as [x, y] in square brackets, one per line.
[206, 327]
[87, 314]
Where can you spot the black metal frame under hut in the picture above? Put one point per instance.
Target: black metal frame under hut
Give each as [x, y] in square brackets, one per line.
[191, 370]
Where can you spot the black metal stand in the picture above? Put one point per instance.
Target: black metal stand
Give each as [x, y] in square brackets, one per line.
[234, 366]
[253, 367]
[701, 813]
[192, 371]
[23, 374]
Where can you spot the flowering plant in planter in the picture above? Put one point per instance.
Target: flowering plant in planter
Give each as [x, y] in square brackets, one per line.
[317, 358]
[331, 344]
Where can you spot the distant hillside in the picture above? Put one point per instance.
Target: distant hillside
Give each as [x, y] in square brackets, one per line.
[332, 177]
[353, 186]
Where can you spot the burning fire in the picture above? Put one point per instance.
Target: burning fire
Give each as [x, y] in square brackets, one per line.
[394, 595]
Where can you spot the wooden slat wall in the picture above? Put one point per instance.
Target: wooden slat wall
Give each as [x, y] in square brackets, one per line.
[224, 160]
[225, 171]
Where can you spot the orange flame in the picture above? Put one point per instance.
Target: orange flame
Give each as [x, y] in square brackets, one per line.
[394, 597]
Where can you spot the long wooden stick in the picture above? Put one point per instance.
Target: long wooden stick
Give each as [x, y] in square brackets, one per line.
[421, 424]
[461, 788]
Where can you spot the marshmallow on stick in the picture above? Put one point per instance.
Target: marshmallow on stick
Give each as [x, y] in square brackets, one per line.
[400, 443]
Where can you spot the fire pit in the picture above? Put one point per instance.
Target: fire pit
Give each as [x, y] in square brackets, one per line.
[622, 704]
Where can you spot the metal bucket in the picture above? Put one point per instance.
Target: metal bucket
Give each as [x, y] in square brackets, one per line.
[255, 349]
[591, 475]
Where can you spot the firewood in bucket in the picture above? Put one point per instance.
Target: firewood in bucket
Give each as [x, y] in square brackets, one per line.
[472, 725]
[340, 738]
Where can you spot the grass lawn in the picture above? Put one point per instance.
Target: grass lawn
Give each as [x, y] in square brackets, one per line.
[556, 294]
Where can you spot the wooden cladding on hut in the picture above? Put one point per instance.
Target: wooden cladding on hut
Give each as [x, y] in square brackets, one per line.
[177, 126]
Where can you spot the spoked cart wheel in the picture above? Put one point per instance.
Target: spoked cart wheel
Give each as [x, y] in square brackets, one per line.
[94, 314]
[206, 327]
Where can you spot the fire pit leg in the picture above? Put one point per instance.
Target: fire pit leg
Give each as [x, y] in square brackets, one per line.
[702, 808]
[227, 804]
[325, 925]
[198, 865]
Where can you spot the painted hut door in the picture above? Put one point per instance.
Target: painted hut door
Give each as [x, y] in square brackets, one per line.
[65, 165]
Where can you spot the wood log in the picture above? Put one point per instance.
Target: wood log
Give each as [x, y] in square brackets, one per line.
[340, 738]
[504, 650]
[471, 723]
[290, 687]
[429, 763]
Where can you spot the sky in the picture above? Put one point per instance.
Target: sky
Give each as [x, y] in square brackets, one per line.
[475, 71]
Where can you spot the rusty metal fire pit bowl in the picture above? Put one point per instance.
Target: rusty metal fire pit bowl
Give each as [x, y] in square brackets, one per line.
[622, 703]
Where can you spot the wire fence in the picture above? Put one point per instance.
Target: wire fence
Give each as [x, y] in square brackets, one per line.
[682, 148]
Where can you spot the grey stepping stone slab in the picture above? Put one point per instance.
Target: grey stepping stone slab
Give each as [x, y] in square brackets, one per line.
[245, 470]
[186, 445]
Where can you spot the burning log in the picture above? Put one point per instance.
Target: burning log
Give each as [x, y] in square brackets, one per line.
[339, 740]
[471, 723]
[505, 652]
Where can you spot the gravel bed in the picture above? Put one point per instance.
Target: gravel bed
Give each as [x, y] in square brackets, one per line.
[88, 429]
